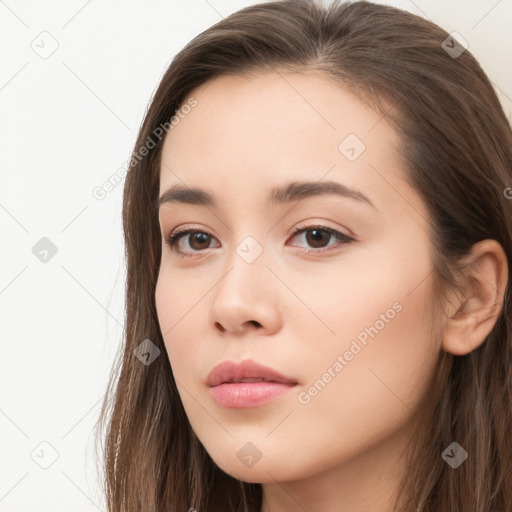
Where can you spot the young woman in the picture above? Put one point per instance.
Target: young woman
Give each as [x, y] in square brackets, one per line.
[318, 227]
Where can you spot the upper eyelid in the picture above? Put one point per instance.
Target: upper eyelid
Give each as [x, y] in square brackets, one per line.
[186, 229]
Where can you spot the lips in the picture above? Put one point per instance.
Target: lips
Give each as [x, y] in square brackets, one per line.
[246, 371]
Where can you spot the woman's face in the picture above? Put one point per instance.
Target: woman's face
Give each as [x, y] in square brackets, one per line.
[348, 320]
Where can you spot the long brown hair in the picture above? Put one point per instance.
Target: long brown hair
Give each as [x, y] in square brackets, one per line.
[457, 143]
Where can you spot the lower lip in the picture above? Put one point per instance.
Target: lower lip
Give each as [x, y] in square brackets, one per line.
[248, 394]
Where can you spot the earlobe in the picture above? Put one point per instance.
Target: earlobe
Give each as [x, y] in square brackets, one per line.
[476, 314]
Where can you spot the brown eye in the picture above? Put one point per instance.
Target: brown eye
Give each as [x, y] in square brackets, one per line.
[318, 237]
[197, 240]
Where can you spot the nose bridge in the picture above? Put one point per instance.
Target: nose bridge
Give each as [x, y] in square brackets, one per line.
[245, 268]
[243, 294]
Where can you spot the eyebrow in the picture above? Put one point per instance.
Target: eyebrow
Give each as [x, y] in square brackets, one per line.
[284, 194]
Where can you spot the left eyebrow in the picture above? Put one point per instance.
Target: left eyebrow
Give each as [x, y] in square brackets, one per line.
[283, 194]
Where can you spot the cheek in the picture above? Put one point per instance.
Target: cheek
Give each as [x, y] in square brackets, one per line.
[378, 299]
[371, 377]
[383, 325]
[175, 307]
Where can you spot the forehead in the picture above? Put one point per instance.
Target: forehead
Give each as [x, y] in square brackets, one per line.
[249, 133]
[274, 109]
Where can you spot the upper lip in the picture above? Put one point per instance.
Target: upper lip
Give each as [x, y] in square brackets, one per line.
[229, 371]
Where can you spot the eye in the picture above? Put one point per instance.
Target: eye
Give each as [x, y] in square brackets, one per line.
[197, 241]
[318, 236]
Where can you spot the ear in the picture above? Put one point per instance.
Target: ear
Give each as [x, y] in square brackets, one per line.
[473, 316]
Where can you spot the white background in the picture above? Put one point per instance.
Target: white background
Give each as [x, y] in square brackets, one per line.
[68, 122]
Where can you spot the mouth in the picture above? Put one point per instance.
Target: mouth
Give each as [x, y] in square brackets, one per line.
[261, 379]
[247, 384]
[248, 394]
[246, 371]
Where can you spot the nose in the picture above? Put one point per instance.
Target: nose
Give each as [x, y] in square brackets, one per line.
[246, 299]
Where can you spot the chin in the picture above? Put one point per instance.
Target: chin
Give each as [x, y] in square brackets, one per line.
[254, 475]
[265, 470]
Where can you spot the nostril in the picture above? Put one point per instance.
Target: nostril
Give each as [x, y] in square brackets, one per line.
[252, 322]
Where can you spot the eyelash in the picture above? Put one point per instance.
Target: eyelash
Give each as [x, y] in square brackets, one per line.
[172, 240]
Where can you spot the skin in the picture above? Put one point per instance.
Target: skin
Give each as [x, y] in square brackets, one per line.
[340, 451]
